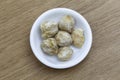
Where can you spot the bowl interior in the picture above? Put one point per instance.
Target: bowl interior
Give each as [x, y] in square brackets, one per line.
[55, 15]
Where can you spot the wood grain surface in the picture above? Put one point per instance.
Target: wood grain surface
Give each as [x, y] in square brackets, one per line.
[17, 61]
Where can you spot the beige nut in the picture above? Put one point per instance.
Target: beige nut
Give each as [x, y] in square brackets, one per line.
[78, 37]
[48, 29]
[63, 38]
[49, 46]
[65, 53]
[67, 23]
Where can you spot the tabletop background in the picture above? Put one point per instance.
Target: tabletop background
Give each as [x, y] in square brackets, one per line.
[17, 61]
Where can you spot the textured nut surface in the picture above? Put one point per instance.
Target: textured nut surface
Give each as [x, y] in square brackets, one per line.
[78, 37]
[65, 53]
[49, 46]
[63, 38]
[48, 29]
[67, 23]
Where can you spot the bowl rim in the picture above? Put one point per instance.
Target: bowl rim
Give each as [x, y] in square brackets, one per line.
[44, 62]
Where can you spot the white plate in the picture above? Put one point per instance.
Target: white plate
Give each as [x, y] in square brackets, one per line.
[55, 15]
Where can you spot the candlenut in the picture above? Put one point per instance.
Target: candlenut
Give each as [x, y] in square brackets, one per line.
[66, 23]
[63, 38]
[78, 37]
[49, 46]
[65, 53]
[49, 29]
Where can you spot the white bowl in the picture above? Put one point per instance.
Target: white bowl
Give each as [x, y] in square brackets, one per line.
[79, 53]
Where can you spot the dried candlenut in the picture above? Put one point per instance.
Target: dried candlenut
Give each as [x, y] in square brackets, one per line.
[78, 37]
[65, 53]
[49, 29]
[49, 46]
[63, 38]
[66, 23]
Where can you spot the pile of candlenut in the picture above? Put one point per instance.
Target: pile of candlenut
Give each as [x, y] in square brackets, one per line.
[57, 37]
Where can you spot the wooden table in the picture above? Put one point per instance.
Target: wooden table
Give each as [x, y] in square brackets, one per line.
[17, 61]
